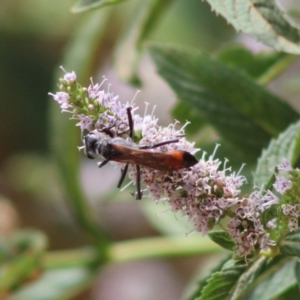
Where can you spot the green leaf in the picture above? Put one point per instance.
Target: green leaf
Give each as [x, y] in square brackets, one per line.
[263, 20]
[277, 278]
[243, 112]
[261, 278]
[221, 283]
[258, 279]
[56, 284]
[234, 279]
[128, 50]
[287, 145]
[222, 239]
[84, 5]
[290, 245]
[254, 65]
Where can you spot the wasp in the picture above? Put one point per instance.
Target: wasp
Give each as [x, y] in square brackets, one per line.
[126, 151]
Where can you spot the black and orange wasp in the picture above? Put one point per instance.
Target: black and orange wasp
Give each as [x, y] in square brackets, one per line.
[103, 142]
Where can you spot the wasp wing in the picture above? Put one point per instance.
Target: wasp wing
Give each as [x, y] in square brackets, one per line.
[162, 161]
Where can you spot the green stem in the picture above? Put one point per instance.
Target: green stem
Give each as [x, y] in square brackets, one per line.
[71, 258]
[161, 247]
[132, 250]
[276, 69]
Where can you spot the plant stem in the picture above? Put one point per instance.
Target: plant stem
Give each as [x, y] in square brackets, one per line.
[71, 258]
[132, 250]
[161, 247]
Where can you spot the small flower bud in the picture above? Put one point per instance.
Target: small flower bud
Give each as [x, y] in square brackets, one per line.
[91, 107]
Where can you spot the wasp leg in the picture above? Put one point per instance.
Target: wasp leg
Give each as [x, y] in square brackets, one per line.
[138, 183]
[103, 163]
[124, 172]
[130, 121]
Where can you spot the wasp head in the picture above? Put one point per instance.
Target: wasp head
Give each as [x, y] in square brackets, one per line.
[92, 142]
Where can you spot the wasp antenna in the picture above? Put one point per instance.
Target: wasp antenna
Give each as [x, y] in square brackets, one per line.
[163, 143]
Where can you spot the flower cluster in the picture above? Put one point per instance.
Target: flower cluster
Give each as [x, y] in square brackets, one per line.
[208, 193]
